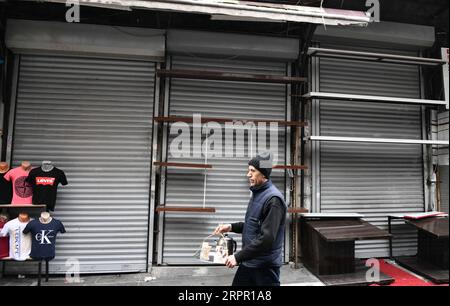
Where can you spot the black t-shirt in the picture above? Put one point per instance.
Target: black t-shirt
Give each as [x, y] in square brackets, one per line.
[43, 238]
[5, 190]
[45, 185]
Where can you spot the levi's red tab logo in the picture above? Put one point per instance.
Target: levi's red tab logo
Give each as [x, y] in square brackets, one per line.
[45, 180]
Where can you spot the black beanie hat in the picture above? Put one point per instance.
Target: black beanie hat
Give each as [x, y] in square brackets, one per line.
[263, 163]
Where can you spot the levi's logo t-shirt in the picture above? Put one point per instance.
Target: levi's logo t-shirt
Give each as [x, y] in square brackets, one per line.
[45, 181]
[45, 185]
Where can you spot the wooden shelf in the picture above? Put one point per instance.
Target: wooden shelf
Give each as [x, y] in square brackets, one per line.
[185, 209]
[206, 166]
[183, 165]
[227, 76]
[22, 206]
[299, 210]
[290, 167]
[224, 120]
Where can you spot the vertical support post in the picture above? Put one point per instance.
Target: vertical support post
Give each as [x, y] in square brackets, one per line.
[390, 238]
[164, 144]
[427, 151]
[154, 169]
[290, 201]
[12, 110]
[3, 269]
[39, 273]
[46, 270]
[315, 130]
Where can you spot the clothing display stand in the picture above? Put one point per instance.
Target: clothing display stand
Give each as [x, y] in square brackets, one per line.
[13, 209]
[34, 211]
[39, 261]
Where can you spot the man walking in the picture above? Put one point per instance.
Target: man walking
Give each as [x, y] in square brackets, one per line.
[263, 230]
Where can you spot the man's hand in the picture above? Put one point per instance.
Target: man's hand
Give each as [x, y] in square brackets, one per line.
[222, 228]
[230, 262]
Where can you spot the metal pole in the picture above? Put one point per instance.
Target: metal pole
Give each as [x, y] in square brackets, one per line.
[39, 273]
[12, 110]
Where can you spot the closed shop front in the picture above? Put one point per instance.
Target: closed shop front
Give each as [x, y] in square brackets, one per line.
[91, 115]
[373, 179]
[224, 186]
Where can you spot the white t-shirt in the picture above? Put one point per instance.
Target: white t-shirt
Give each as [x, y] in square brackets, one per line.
[19, 243]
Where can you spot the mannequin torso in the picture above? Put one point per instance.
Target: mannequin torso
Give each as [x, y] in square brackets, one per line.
[45, 218]
[3, 218]
[22, 191]
[26, 165]
[24, 217]
[4, 167]
[47, 166]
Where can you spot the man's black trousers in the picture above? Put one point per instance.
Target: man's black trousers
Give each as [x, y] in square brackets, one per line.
[257, 276]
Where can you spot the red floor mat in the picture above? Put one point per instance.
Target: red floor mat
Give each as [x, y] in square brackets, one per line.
[403, 278]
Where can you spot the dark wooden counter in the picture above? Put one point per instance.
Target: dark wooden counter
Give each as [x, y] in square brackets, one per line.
[328, 243]
[432, 248]
[347, 230]
[437, 227]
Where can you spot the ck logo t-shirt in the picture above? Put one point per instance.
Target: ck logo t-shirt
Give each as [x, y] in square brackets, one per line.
[43, 237]
[45, 185]
[22, 190]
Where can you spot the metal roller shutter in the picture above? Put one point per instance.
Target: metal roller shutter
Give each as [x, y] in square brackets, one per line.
[227, 187]
[92, 118]
[443, 175]
[371, 179]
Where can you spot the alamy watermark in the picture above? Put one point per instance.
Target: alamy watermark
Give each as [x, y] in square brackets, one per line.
[73, 13]
[373, 273]
[374, 10]
[233, 139]
[73, 271]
